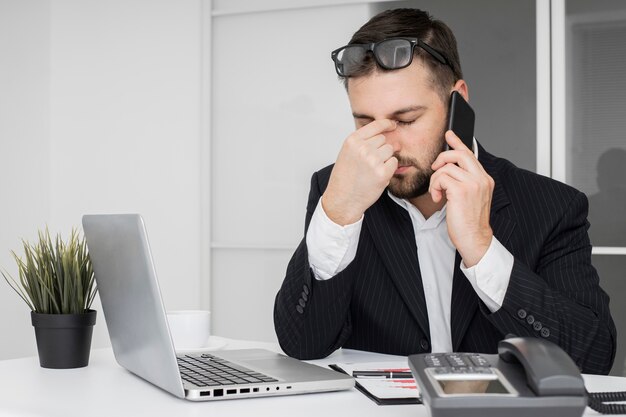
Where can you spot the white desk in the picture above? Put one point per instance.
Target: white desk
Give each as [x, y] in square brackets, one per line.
[106, 389]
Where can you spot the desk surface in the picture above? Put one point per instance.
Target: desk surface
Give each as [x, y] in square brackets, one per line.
[106, 389]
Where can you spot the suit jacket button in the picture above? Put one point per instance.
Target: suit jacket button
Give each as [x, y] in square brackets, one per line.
[305, 288]
[424, 344]
[537, 326]
[530, 319]
[521, 313]
[301, 302]
[304, 296]
[299, 309]
[545, 332]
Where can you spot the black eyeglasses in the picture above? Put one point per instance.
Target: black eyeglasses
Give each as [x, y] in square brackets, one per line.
[391, 53]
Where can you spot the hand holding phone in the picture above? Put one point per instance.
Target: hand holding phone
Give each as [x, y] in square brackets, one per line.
[463, 182]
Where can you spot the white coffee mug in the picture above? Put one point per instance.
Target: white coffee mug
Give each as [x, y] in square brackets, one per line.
[190, 329]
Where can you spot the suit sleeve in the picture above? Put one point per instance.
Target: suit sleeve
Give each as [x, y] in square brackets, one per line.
[560, 298]
[311, 317]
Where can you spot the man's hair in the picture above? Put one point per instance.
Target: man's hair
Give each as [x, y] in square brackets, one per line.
[413, 23]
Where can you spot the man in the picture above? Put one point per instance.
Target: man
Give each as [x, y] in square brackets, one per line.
[411, 247]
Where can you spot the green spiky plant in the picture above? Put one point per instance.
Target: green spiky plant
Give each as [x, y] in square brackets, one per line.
[55, 277]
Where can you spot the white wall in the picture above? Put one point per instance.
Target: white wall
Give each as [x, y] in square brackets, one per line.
[279, 113]
[24, 152]
[125, 88]
[100, 112]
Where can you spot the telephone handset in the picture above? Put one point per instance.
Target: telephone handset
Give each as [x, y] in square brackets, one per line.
[529, 376]
[549, 370]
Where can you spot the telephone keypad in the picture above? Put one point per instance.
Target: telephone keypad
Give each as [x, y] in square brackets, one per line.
[447, 370]
[479, 360]
[456, 360]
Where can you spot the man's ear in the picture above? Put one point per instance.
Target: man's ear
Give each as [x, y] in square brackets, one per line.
[462, 88]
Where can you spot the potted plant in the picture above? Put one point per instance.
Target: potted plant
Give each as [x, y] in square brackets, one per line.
[56, 281]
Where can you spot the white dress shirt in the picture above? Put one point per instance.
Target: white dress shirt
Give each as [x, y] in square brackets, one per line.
[332, 248]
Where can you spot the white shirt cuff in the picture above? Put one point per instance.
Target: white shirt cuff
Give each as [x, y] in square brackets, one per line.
[490, 276]
[331, 247]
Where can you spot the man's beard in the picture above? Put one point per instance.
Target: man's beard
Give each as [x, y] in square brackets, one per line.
[415, 184]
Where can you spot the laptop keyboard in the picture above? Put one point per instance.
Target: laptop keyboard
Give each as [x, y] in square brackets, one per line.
[207, 370]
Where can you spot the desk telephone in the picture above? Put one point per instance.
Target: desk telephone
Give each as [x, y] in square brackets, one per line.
[528, 377]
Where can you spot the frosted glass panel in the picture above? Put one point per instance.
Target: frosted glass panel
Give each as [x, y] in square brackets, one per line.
[596, 126]
[279, 114]
[595, 152]
[245, 283]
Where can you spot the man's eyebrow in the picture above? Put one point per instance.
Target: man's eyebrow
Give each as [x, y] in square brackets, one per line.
[394, 114]
[408, 110]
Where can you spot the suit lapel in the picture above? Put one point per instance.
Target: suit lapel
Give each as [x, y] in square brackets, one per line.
[464, 300]
[501, 225]
[392, 232]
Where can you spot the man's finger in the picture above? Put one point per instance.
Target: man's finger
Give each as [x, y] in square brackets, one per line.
[463, 159]
[455, 142]
[453, 171]
[385, 152]
[374, 128]
[391, 165]
[461, 156]
[376, 142]
[439, 185]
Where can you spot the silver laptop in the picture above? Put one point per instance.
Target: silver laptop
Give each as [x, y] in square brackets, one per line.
[140, 336]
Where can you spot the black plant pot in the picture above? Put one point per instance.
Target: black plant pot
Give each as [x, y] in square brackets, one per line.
[63, 340]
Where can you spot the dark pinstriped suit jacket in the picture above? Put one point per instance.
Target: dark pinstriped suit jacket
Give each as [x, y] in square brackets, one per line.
[377, 302]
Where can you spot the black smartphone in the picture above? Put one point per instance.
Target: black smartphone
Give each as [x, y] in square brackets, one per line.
[461, 119]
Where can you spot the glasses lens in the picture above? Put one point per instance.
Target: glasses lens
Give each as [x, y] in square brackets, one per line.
[393, 53]
[349, 59]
